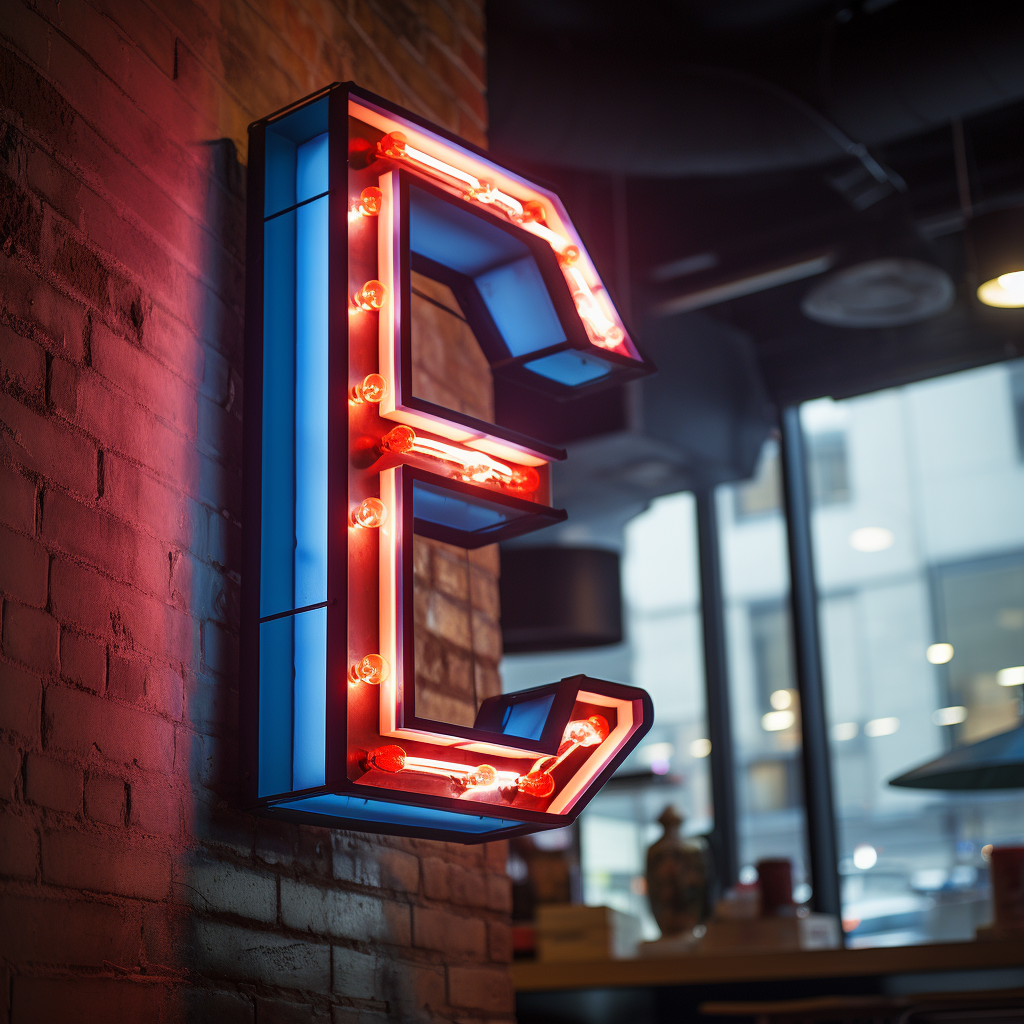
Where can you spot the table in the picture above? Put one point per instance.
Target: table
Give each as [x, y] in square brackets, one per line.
[668, 988]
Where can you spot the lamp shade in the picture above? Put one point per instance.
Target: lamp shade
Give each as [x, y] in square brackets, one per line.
[995, 763]
[559, 598]
[996, 242]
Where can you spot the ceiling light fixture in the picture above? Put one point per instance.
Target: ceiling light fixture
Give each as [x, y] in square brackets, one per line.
[996, 242]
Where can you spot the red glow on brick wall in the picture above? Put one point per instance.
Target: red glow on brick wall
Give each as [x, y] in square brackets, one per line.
[130, 886]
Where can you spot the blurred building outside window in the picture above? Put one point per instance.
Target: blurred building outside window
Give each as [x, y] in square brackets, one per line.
[920, 578]
[663, 653]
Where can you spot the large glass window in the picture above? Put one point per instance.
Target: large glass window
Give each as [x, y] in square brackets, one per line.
[920, 577]
[763, 699]
[662, 653]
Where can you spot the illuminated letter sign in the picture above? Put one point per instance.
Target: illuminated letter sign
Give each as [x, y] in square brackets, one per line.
[349, 197]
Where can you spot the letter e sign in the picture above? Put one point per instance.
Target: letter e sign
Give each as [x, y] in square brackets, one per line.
[356, 208]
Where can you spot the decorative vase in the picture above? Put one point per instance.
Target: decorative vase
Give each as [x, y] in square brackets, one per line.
[679, 878]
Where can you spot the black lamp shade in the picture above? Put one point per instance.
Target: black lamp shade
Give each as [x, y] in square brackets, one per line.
[559, 598]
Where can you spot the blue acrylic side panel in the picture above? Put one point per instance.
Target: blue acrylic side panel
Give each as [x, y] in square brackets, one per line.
[309, 753]
[279, 178]
[356, 808]
[527, 718]
[311, 374]
[459, 511]
[275, 735]
[277, 541]
[456, 238]
[519, 304]
[570, 368]
[311, 169]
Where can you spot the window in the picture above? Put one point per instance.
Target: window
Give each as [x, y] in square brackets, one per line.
[764, 704]
[662, 653]
[920, 577]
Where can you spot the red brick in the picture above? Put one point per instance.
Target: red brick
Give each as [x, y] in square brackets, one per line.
[31, 636]
[399, 871]
[467, 886]
[499, 941]
[17, 501]
[75, 932]
[105, 864]
[106, 608]
[134, 495]
[92, 725]
[126, 677]
[105, 799]
[135, 371]
[19, 851]
[418, 993]
[480, 988]
[499, 893]
[47, 446]
[344, 915]
[22, 362]
[229, 951]
[118, 423]
[165, 691]
[435, 878]
[228, 888]
[10, 771]
[155, 807]
[356, 975]
[24, 566]
[83, 660]
[210, 1004]
[89, 1000]
[437, 929]
[20, 701]
[53, 783]
[89, 534]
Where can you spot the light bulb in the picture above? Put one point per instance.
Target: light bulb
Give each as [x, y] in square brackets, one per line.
[482, 776]
[1005, 291]
[533, 213]
[538, 784]
[399, 440]
[392, 145]
[569, 255]
[525, 478]
[587, 733]
[373, 389]
[372, 669]
[371, 199]
[389, 758]
[370, 513]
[370, 297]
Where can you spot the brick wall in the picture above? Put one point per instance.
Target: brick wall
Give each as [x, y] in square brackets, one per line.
[130, 887]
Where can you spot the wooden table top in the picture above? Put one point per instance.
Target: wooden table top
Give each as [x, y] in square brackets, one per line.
[696, 968]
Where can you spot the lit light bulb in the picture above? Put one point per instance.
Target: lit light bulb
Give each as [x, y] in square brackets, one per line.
[568, 256]
[538, 784]
[392, 145]
[587, 733]
[370, 513]
[372, 669]
[399, 440]
[533, 213]
[525, 478]
[373, 389]
[371, 199]
[389, 758]
[1005, 291]
[370, 297]
[481, 777]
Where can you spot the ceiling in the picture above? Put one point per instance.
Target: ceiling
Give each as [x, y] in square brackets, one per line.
[698, 144]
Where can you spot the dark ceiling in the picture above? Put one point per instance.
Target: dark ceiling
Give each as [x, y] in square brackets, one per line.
[700, 143]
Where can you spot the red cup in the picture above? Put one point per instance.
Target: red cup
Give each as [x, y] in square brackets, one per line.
[1007, 866]
[775, 879]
